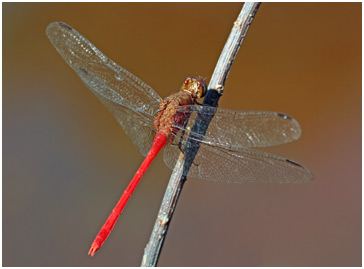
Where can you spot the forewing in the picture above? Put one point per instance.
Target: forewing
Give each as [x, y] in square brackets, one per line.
[246, 165]
[125, 95]
[240, 129]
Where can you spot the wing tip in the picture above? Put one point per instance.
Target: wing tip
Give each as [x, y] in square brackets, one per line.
[55, 27]
[59, 24]
[308, 176]
[295, 126]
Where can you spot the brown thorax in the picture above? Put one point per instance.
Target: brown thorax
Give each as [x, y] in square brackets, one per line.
[169, 109]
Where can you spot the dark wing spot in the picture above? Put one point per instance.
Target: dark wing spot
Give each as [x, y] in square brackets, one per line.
[83, 70]
[65, 25]
[293, 162]
[284, 116]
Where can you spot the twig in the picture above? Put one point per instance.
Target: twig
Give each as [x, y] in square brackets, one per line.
[215, 90]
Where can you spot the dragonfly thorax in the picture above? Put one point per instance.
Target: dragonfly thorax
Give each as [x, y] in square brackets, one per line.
[170, 113]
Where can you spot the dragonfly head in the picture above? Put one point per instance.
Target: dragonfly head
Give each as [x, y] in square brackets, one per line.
[195, 86]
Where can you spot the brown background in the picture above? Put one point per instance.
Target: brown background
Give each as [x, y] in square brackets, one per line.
[66, 160]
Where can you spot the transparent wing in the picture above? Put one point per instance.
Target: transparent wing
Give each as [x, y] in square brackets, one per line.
[246, 165]
[240, 129]
[223, 155]
[140, 131]
[137, 125]
[125, 95]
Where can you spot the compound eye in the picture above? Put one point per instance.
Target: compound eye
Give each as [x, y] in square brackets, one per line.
[201, 90]
[187, 80]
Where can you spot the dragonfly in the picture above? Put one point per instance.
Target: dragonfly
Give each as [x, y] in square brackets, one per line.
[225, 152]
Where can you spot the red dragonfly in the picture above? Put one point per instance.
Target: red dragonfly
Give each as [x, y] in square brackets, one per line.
[224, 153]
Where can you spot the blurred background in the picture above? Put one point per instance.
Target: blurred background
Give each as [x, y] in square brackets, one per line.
[66, 160]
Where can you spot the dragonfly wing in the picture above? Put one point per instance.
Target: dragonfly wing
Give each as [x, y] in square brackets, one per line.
[246, 165]
[125, 95]
[137, 128]
[240, 129]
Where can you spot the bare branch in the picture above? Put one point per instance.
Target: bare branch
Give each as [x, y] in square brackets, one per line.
[215, 90]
